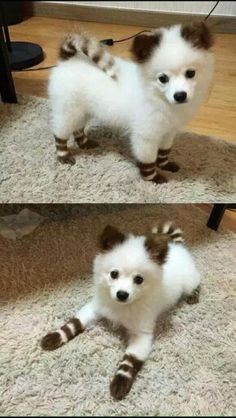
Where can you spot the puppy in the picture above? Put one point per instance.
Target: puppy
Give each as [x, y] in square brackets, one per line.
[136, 278]
[150, 98]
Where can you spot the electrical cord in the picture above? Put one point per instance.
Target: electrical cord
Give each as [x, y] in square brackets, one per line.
[212, 10]
[110, 42]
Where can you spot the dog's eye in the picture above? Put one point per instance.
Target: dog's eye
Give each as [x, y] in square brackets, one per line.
[114, 274]
[138, 279]
[163, 78]
[190, 73]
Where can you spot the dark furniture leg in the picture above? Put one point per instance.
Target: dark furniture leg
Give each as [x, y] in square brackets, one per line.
[217, 214]
[7, 87]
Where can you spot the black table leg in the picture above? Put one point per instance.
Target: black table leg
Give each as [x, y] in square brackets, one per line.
[216, 215]
[7, 87]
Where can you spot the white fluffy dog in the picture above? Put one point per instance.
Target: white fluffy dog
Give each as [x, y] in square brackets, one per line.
[151, 98]
[136, 278]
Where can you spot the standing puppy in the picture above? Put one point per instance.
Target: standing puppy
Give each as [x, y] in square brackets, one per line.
[151, 98]
[136, 278]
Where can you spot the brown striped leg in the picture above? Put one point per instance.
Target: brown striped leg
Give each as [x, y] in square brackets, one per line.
[125, 375]
[163, 163]
[56, 339]
[63, 154]
[194, 297]
[83, 142]
[149, 173]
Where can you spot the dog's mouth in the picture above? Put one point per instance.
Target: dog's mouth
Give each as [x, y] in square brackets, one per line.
[178, 103]
[124, 302]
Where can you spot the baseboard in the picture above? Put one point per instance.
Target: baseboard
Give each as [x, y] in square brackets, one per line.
[150, 19]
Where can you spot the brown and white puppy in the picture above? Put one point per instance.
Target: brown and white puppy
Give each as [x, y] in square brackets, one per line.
[151, 98]
[136, 278]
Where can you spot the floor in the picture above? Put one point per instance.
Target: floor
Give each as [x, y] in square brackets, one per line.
[216, 117]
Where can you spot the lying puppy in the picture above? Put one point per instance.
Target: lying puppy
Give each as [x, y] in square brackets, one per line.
[136, 278]
[150, 99]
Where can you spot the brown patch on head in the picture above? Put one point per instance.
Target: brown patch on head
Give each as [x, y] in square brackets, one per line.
[143, 46]
[198, 34]
[157, 246]
[110, 237]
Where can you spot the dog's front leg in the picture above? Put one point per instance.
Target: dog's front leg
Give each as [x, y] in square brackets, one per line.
[163, 154]
[71, 329]
[137, 351]
[145, 152]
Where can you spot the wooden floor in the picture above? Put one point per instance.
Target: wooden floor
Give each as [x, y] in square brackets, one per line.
[217, 117]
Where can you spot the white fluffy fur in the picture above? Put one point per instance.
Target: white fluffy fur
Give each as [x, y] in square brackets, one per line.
[80, 93]
[161, 289]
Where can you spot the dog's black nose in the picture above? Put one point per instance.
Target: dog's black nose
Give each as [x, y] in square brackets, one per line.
[121, 295]
[180, 97]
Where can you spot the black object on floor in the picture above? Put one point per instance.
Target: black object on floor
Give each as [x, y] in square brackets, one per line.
[217, 214]
[24, 55]
[21, 54]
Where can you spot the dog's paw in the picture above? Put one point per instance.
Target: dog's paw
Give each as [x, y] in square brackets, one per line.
[67, 159]
[170, 166]
[120, 386]
[159, 179]
[194, 297]
[90, 144]
[51, 341]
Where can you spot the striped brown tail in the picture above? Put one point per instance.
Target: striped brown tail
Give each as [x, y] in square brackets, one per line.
[79, 44]
[68, 331]
[167, 228]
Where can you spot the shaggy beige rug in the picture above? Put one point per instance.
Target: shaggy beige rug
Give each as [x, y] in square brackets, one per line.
[107, 174]
[45, 277]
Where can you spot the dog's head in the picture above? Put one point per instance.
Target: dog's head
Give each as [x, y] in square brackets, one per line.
[177, 61]
[129, 266]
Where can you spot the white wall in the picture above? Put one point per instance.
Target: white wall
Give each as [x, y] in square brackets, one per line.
[226, 8]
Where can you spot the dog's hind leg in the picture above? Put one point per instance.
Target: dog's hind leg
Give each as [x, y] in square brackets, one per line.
[63, 153]
[65, 121]
[81, 138]
[193, 297]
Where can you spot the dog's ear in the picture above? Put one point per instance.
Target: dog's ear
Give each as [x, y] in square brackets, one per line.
[110, 237]
[143, 45]
[198, 34]
[157, 246]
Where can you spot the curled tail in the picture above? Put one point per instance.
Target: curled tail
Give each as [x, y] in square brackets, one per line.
[79, 44]
[167, 228]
